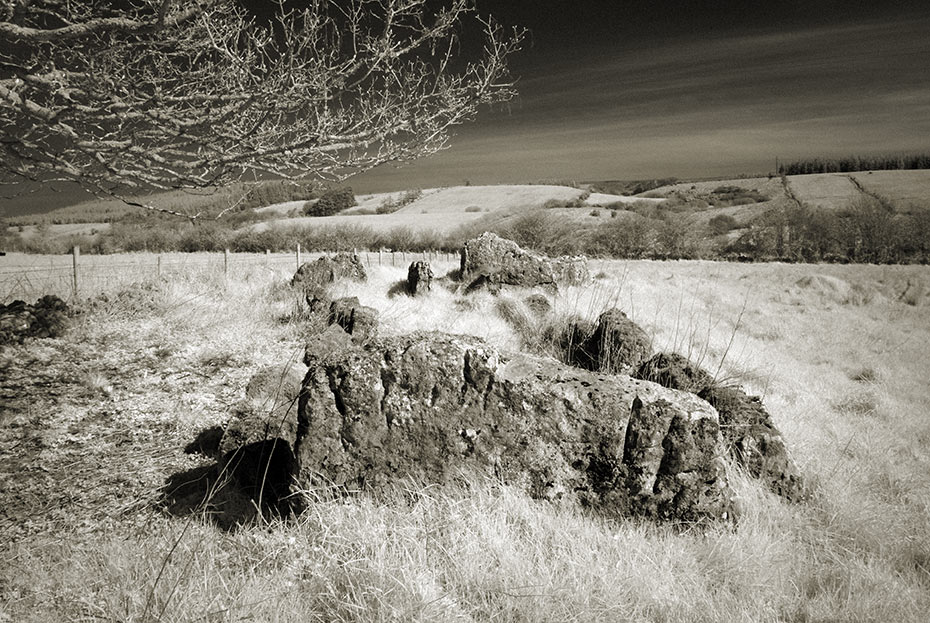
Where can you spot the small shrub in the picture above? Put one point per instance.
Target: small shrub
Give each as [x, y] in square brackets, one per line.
[595, 213]
[332, 202]
[472, 209]
[389, 206]
[721, 224]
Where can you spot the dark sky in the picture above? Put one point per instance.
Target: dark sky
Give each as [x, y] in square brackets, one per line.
[637, 89]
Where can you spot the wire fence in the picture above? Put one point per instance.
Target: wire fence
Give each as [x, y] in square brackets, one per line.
[74, 276]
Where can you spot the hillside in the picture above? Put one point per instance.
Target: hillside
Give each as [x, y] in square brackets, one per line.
[882, 216]
[445, 209]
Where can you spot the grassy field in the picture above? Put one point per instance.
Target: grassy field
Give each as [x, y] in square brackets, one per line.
[93, 424]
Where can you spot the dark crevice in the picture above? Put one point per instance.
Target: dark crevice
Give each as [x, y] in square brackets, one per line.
[344, 434]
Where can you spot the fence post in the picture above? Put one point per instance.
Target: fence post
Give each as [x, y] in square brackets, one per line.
[380, 251]
[75, 255]
[298, 256]
[158, 267]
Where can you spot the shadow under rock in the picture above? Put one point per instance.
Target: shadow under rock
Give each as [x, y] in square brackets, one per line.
[249, 483]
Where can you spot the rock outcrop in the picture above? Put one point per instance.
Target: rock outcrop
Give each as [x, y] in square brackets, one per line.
[748, 432]
[674, 371]
[754, 441]
[19, 320]
[314, 278]
[359, 321]
[493, 261]
[615, 345]
[433, 407]
[419, 278]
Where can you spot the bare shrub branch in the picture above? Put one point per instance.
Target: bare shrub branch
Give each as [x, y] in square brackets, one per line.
[157, 94]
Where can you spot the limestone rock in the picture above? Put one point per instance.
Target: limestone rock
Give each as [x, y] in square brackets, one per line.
[340, 312]
[749, 434]
[432, 407]
[256, 450]
[314, 278]
[756, 443]
[490, 259]
[674, 371]
[615, 345]
[359, 321]
[326, 345]
[268, 411]
[419, 278]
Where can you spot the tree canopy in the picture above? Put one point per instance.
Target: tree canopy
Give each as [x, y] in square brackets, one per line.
[135, 95]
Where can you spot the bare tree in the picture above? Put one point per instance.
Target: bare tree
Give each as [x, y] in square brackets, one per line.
[134, 95]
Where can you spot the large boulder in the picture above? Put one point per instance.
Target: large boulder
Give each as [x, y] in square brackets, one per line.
[327, 344]
[495, 261]
[749, 433]
[755, 442]
[47, 317]
[314, 278]
[434, 407]
[616, 344]
[268, 411]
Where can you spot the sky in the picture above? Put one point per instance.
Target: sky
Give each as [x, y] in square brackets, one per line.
[691, 89]
[643, 89]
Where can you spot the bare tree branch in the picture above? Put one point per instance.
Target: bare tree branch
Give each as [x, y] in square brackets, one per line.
[166, 94]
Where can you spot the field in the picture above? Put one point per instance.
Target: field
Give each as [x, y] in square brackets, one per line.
[444, 209]
[94, 423]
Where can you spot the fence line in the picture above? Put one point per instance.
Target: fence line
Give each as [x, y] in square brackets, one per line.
[80, 276]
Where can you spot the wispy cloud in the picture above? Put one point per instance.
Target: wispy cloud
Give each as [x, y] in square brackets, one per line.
[729, 103]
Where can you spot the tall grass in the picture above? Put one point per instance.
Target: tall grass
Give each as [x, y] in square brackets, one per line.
[178, 355]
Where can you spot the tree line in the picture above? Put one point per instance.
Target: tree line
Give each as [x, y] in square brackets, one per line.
[869, 230]
[851, 164]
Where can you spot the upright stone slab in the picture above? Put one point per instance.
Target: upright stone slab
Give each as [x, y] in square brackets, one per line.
[419, 278]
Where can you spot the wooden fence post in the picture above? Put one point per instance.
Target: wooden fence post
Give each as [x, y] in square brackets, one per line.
[158, 267]
[75, 255]
[298, 256]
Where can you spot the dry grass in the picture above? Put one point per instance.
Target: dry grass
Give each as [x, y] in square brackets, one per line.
[95, 421]
[903, 188]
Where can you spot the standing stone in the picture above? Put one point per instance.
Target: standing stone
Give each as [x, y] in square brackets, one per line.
[359, 321]
[755, 442]
[675, 372]
[314, 278]
[616, 345]
[419, 278]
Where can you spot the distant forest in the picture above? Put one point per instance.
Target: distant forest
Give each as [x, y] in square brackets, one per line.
[850, 164]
